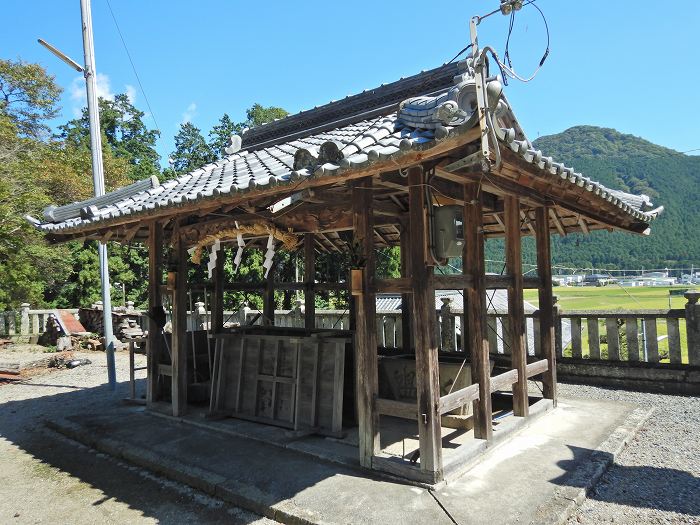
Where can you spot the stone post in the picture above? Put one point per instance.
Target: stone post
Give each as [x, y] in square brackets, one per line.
[199, 316]
[298, 314]
[447, 325]
[24, 319]
[243, 314]
[692, 323]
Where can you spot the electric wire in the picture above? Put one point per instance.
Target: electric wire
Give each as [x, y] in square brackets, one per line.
[133, 67]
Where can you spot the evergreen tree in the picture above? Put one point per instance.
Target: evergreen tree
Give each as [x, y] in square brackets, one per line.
[191, 150]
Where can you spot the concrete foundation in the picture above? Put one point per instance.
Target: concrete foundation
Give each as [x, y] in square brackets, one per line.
[536, 476]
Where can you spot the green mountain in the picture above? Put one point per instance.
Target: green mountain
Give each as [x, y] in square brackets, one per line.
[631, 164]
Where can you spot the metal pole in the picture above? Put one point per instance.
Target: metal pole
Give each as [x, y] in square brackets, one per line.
[98, 180]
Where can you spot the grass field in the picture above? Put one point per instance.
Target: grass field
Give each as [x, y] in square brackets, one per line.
[613, 297]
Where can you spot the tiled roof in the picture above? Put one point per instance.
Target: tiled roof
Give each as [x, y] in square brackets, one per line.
[285, 153]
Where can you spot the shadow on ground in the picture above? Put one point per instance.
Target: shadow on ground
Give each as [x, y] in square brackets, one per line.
[21, 423]
[655, 487]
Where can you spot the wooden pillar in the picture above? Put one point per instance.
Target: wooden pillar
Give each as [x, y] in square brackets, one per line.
[366, 373]
[516, 311]
[424, 327]
[217, 298]
[546, 301]
[475, 309]
[269, 298]
[309, 278]
[179, 335]
[406, 298]
[155, 302]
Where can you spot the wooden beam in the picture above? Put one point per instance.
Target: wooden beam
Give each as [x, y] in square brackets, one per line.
[516, 311]
[400, 285]
[504, 381]
[459, 398]
[475, 310]
[424, 327]
[217, 297]
[526, 218]
[179, 335]
[153, 345]
[401, 409]
[557, 222]
[366, 362]
[536, 368]
[584, 225]
[309, 279]
[546, 302]
[453, 281]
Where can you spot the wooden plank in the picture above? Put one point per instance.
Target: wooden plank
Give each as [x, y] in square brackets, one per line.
[275, 370]
[576, 351]
[504, 381]
[459, 398]
[674, 341]
[613, 338]
[401, 409]
[179, 335]
[593, 338]
[366, 364]
[515, 304]
[477, 337]
[652, 342]
[309, 278]
[155, 339]
[338, 382]
[313, 419]
[547, 324]
[425, 326]
[239, 384]
[538, 367]
[632, 330]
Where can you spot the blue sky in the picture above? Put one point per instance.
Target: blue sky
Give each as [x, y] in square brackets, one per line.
[628, 64]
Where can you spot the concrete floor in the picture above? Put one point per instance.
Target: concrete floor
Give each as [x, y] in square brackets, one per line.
[534, 477]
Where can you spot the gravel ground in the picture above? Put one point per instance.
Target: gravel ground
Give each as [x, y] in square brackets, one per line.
[656, 479]
[45, 478]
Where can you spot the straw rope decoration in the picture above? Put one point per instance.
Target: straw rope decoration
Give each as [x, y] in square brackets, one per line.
[288, 239]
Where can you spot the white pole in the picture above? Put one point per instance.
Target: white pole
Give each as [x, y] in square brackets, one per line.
[98, 180]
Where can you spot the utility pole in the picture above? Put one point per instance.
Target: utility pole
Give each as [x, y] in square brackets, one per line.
[97, 171]
[99, 182]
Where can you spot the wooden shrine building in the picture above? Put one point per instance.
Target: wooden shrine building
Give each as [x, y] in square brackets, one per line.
[436, 164]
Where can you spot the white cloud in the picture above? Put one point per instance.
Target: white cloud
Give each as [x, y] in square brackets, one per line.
[104, 90]
[189, 113]
[130, 93]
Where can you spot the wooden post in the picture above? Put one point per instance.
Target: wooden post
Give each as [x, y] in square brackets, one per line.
[179, 336]
[217, 298]
[309, 278]
[424, 328]
[366, 372]
[406, 298]
[516, 312]
[692, 320]
[546, 301]
[155, 337]
[475, 310]
[269, 298]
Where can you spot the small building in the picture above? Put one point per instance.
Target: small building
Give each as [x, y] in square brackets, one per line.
[434, 164]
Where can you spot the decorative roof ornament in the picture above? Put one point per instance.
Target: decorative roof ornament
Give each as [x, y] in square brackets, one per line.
[456, 107]
[234, 144]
